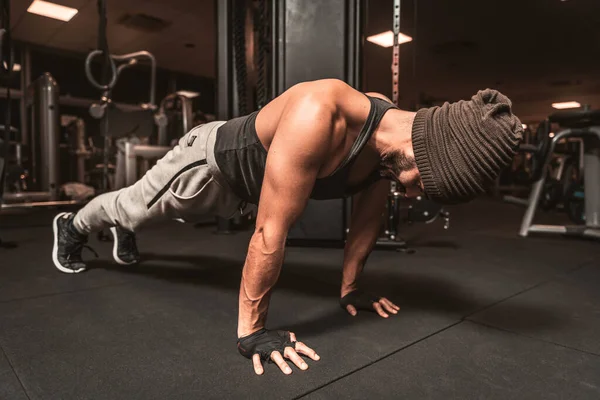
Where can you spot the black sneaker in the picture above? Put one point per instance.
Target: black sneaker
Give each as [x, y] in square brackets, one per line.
[125, 251]
[68, 245]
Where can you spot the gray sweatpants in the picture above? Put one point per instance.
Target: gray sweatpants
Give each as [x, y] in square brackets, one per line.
[185, 184]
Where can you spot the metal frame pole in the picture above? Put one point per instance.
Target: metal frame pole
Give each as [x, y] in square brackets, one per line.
[130, 164]
[392, 240]
[396, 54]
[25, 82]
[354, 73]
[224, 76]
[278, 52]
[224, 73]
[592, 182]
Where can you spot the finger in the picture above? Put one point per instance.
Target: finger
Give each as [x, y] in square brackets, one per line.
[296, 359]
[379, 310]
[258, 368]
[292, 336]
[395, 307]
[351, 310]
[307, 351]
[278, 359]
[387, 307]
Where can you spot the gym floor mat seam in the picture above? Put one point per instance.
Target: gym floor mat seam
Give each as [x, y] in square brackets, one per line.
[532, 337]
[553, 278]
[3, 353]
[380, 359]
[471, 361]
[466, 319]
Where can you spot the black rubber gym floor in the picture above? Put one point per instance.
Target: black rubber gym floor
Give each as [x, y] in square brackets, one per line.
[485, 314]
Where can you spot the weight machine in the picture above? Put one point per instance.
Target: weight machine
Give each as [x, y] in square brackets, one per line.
[34, 168]
[132, 129]
[564, 167]
[584, 201]
[119, 125]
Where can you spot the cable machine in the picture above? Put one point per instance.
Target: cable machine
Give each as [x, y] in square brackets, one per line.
[265, 47]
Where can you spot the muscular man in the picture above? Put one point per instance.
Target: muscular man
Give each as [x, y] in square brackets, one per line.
[318, 140]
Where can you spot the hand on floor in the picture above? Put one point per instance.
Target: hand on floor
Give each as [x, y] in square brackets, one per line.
[359, 300]
[266, 345]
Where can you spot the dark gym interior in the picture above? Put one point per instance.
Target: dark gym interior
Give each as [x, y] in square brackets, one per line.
[499, 297]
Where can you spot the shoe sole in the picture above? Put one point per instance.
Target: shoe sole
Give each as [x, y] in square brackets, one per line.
[55, 248]
[113, 230]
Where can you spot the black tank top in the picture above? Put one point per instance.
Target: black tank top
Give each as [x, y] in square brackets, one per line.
[241, 158]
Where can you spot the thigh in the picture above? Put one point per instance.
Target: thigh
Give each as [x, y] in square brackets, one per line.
[182, 184]
[184, 165]
[179, 182]
[193, 194]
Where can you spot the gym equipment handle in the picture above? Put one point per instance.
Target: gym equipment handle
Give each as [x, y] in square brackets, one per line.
[88, 72]
[132, 57]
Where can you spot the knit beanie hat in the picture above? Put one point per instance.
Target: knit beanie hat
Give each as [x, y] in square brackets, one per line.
[461, 148]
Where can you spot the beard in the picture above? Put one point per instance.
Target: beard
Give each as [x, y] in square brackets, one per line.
[397, 161]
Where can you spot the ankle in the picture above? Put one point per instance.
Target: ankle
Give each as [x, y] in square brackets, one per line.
[123, 230]
[74, 232]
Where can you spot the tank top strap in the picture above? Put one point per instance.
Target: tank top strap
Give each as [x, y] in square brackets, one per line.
[378, 109]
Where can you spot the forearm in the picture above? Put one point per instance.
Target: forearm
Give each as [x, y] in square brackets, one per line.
[359, 245]
[260, 273]
[365, 226]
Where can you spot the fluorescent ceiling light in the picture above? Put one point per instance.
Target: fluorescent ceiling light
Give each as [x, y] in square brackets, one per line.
[566, 104]
[16, 67]
[386, 39]
[51, 10]
[188, 94]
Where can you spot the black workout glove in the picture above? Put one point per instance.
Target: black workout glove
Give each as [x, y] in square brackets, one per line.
[360, 300]
[263, 343]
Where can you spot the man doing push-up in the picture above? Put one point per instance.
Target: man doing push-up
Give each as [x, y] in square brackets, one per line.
[318, 140]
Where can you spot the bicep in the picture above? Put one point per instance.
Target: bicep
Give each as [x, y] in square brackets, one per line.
[286, 189]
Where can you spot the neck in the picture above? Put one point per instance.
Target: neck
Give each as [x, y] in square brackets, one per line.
[394, 132]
